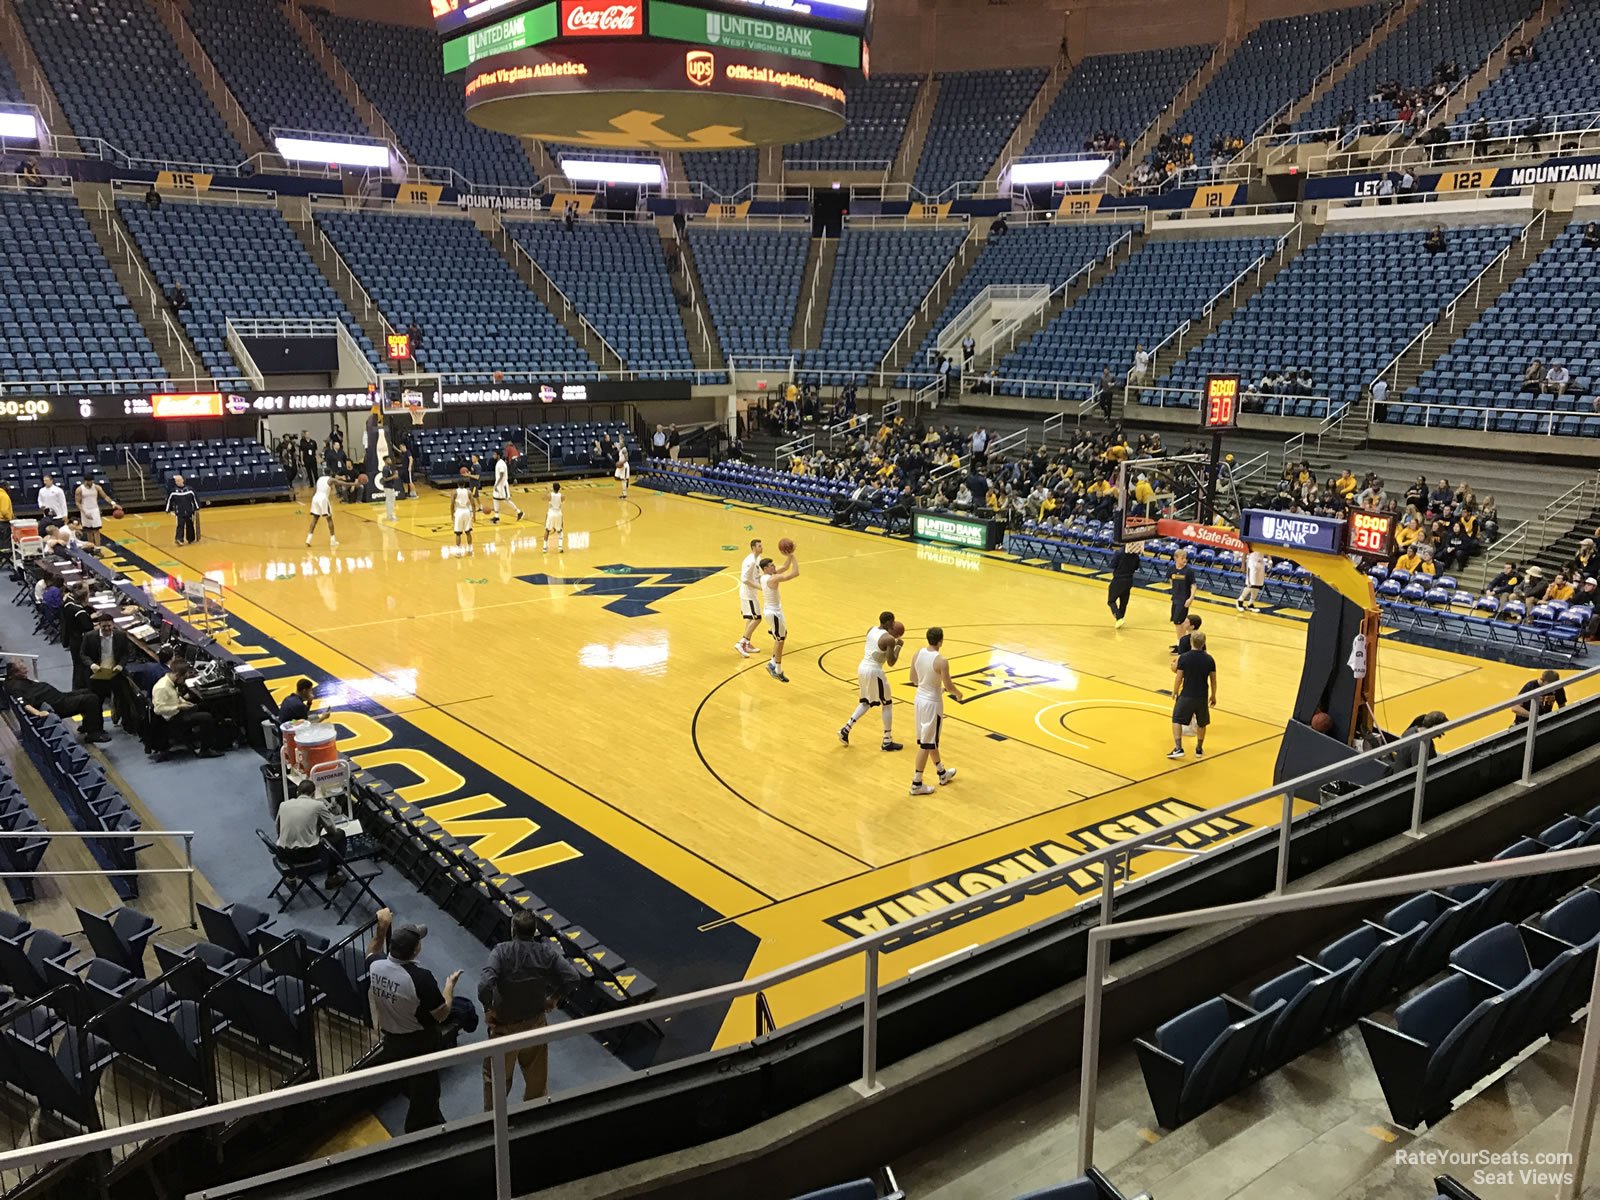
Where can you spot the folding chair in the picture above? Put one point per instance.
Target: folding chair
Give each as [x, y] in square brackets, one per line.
[296, 877]
[362, 882]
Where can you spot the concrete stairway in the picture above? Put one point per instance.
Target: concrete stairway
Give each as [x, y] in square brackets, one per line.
[207, 76]
[1167, 357]
[677, 178]
[916, 133]
[377, 125]
[297, 211]
[25, 65]
[934, 302]
[1168, 117]
[532, 274]
[1017, 144]
[1449, 326]
[816, 284]
[138, 282]
[1337, 71]
[698, 328]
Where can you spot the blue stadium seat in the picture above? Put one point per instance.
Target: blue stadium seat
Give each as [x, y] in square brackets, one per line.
[973, 116]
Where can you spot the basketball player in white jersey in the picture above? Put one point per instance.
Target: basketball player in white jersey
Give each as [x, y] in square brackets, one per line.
[502, 488]
[882, 649]
[930, 673]
[750, 597]
[322, 506]
[772, 578]
[624, 472]
[89, 495]
[462, 506]
[554, 522]
[1255, 578]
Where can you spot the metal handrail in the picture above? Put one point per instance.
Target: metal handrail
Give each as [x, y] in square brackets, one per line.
[1101, 862]
[1581, 497]
[567, 306]
[1473, 285]
[1545, 420]
[190, 46]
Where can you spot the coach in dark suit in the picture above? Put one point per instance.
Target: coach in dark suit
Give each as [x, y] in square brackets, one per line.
[104, 654]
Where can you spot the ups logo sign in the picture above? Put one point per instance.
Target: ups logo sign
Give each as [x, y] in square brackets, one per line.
[701, 67]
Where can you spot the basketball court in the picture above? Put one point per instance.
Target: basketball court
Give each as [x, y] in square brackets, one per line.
[584, 718]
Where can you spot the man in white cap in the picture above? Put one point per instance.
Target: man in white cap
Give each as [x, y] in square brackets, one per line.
[408, 1008]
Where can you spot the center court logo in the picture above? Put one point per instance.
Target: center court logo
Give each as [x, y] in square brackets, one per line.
[700, 66]
[633, 589]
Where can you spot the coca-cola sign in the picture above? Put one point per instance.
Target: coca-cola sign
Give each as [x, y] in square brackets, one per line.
[592, 18]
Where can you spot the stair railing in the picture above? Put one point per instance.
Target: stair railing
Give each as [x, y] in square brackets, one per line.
[1564, 512]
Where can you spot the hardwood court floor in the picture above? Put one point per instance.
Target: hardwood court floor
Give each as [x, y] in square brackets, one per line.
[603, 681]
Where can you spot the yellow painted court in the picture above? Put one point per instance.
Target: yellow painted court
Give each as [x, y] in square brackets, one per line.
[654, 786]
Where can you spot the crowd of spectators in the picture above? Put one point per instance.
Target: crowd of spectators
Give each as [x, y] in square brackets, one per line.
[906, 464]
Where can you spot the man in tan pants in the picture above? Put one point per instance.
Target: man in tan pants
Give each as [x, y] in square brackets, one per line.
[524, 979]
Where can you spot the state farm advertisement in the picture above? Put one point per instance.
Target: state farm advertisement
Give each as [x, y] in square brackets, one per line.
[594, 18]
[646, 66]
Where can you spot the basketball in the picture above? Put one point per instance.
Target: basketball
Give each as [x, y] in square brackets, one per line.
[116, 512]
[1322, 723]
[786, 546]
[464, 471]
[886, 642]
[898, 629]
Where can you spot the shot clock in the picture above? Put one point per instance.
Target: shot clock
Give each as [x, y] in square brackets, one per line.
[1369, 534]
[1219, 408]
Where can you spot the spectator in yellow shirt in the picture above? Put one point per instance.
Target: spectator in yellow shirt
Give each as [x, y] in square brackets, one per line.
[1346, 484]
[1560, 588]
[1410, 561]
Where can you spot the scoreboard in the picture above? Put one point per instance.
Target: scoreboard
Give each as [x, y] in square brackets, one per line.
[831, 32]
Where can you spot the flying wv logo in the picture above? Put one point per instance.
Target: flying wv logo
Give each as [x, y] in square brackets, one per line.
[635, 588]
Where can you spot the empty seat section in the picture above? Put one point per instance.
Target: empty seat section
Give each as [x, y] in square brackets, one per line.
[875, 123]
[615, 273]
[1463, 31]
[1163, 284]
[476, 314]
[1276, 65]
[63, 312]
[725, 172]
[971, 120]
[752, 284]
[1041, 254]
[879, 278]
[399, 68]
[1117, 94]
[1343, 309]
[119, 76]
[1544, 315]
[183, 243]
[268, 68]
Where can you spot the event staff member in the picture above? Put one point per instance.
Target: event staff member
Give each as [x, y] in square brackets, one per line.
[183, 504]
[524, 979]
[408, 1008]
[297, 705]
[184, 718]
[303, 821]
[105, 652]
[33, 693]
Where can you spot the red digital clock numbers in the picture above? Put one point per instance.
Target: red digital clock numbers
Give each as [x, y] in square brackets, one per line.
[1220, 407]
[1369, 534]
